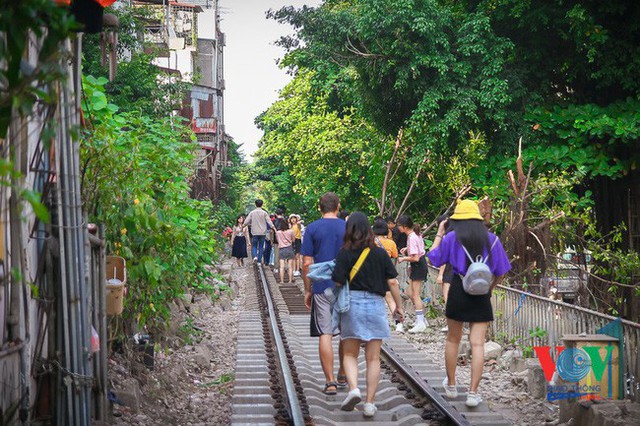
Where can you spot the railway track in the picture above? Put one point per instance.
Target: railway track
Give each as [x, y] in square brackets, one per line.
[279, 378]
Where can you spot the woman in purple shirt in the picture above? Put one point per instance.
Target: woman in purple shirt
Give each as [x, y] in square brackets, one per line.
[470, 232]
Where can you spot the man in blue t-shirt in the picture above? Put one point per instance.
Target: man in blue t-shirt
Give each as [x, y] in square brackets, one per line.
[321, 243]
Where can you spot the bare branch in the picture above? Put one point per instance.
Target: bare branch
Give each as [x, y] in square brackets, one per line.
[548, 222]
[461, 193]
[544, 251]
[385, 183]
[413, 182]
[351, 48]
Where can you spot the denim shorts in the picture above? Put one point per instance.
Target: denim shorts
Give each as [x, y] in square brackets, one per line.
[366, 319]
[286, 253]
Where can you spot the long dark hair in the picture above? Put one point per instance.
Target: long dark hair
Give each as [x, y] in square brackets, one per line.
[358, 234]
[472, 234]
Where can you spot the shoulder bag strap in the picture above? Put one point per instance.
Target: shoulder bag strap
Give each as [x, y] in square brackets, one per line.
[379, 242]
[359, 263]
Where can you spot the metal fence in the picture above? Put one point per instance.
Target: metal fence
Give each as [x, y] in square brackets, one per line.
[518, 314]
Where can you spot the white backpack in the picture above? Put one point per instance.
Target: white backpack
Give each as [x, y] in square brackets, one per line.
[477, 281]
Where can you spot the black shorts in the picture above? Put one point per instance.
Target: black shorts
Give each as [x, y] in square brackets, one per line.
[297, 245]
[418, 270]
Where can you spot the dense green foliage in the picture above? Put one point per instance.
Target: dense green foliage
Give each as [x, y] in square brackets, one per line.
[319, 148]
[138, 161]
[136, 183]
[463, 81]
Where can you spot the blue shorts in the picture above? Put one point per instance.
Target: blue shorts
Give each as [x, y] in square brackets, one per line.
[366, 318]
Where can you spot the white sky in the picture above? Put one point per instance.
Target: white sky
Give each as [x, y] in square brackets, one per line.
[252, 78]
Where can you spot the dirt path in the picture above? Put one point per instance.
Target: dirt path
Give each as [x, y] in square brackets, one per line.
[192, 379]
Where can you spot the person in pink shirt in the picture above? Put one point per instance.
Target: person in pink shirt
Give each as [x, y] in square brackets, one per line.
[414, 254]
[285, 238]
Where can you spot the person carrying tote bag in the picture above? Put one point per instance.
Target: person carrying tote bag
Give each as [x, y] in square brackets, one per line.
[365, 319]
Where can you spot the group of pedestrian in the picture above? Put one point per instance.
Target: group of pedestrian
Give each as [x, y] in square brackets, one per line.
[363, 263]
[272, 239]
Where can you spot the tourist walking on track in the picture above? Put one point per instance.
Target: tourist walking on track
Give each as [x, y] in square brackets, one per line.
[276, 250]
[260, 223]
[400, 239]
[322, 241]
[382, 239]
[368, 271]
[269, 238]
[285, 238]
[414, 253]
[469, 242]
[239, 241]
[294, 221]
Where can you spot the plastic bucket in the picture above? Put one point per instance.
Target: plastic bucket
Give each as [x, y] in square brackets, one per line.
[116, 274]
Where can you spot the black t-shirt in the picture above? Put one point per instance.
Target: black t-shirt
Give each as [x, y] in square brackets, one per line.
[373, 274]
[400, 238]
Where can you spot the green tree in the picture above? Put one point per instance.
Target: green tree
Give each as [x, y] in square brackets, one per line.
[308, 149]
[136, 182]
[411, 64]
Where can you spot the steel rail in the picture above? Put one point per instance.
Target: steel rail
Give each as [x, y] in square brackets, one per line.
[295, 411]
[438, 401]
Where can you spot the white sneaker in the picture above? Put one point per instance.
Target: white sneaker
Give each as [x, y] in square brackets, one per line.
[451, 391]
[296, 273]
[400, 327]
[419, 328]
[444, 329]
[473, 399]
[369, 410]
[352, 399]
[255, 260]
[275, 270]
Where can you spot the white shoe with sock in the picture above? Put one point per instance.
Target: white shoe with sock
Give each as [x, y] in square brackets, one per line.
[451, 391]
[369, 409]
[473, 399]
[352, 399]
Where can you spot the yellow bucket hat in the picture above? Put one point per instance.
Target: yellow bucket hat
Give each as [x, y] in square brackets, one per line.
[466, 209]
